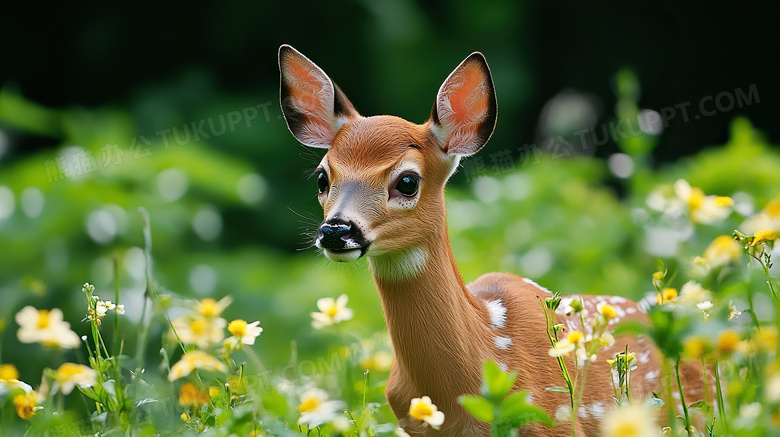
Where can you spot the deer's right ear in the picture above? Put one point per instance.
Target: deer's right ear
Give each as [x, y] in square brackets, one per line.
[313, 106]
[464, 114]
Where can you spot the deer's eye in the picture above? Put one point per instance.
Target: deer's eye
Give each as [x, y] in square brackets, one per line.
[322, 182]
[408, 185]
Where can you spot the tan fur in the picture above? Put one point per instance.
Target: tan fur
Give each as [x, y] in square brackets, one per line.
[441, 329]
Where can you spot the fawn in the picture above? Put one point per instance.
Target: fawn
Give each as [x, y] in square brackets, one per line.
[381, 185]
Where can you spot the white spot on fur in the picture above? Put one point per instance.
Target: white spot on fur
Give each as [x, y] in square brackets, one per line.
[531, 282]
[630, 310]
[497, 312]
[597, 410]
[644, 357]
[503, 367]
[582, 412]
[400, 265]
[502, 342]
[562, 413]
[652, 375]
[676, 395]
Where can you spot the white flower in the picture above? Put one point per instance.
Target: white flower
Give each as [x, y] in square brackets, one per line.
[45, 327]
[606, 339]
[316, 409]
[70, 375]
[773, 388]
[195, 360]
[199, 330]
[101, 308]
[209, 307]
[720, 252]
[120, 309]
[693, 293]
[423, 409]
[750, 411]
[9, 385]
[331, 312]
[633, 420]
[768, 218]
[703, 209]
[244, 332]
[561, 348]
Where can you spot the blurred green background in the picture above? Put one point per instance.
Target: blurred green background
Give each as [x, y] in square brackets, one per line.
[99, 108]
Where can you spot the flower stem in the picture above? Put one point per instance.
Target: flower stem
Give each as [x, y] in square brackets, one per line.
[721, 406]
[682, 398]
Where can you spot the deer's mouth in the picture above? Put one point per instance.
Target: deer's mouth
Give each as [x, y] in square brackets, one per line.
[345, 255]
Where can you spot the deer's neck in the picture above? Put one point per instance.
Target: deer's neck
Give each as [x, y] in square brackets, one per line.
[437, 327]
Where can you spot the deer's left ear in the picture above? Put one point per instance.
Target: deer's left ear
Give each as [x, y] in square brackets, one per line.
[464, 114]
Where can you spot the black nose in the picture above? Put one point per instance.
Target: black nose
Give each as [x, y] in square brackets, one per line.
[334, 235]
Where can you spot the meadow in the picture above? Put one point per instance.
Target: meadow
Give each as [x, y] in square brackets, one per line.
[134, 302]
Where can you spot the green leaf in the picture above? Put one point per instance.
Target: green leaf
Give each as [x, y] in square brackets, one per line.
[518, 412]
[496, 383]
[557, 389]
[631, 328]
[478, 406]
[275, 403]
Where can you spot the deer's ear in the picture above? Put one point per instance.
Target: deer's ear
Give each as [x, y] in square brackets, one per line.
[313, 106]
[464, 114]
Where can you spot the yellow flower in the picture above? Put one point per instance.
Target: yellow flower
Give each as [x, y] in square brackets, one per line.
[8, 371]
[70, 375]
[25, 405]
[763, 236]
[695, 347]
[332, 311]
[9, 385]
[199, 330]
[767, 219]
[190, 396]
[724, 201]
[703, 209]
[630, 421]
[772, 387]
[195, 360]
[562, 348]
[46, 327]
[693, 293]
[727, 343]
[606, 310]
[722, 251]
[316, 409]
[733, 311]
[767, 338]
[666, 295]
[575, 337]
[424, 410]
[209, 307]
[606, 339]
[243, 332]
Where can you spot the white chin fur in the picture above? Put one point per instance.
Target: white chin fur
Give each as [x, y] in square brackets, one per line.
[343, 256]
